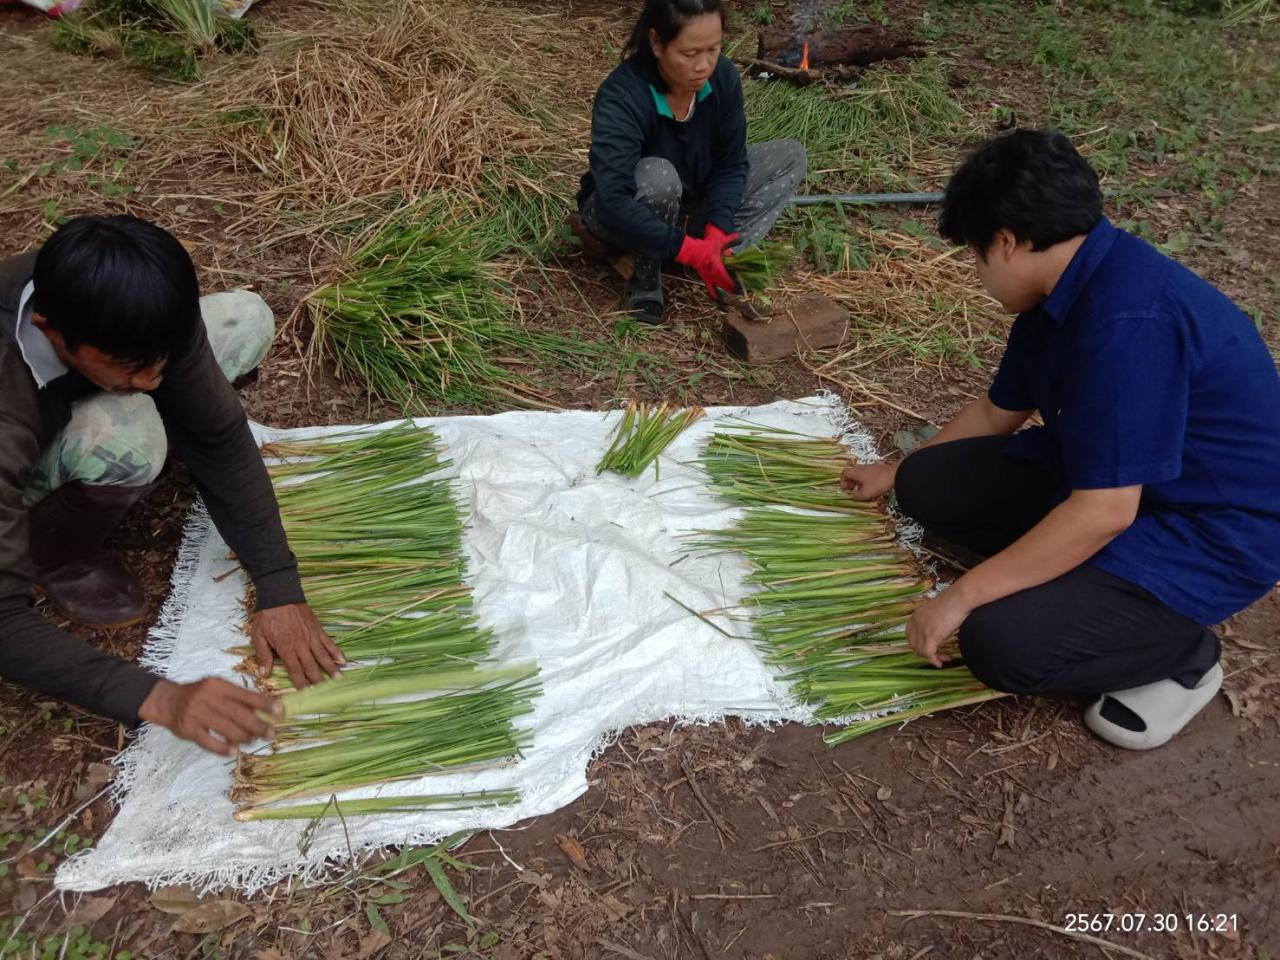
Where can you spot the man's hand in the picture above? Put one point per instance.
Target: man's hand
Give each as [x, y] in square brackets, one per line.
[294, 634]
[214, 713]
[867, 481]
[934, 622]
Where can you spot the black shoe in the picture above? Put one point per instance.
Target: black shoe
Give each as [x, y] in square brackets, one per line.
[642, 297]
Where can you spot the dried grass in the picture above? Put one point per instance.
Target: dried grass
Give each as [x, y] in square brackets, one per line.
[426, 97]
[914, 309]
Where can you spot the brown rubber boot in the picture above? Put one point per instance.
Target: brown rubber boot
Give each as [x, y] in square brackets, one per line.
[68, 529]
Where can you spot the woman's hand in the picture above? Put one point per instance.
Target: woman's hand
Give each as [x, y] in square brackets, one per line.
[934, 622]
[706, 256]
[867, 481]
[718, 236]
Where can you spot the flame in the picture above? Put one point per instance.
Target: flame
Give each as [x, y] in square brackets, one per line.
[804, 57]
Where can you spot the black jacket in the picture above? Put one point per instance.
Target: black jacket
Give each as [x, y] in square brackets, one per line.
[709, 151]
[206, 427]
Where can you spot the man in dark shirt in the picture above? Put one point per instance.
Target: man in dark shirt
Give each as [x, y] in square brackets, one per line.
[1145, 508]
[106, 311]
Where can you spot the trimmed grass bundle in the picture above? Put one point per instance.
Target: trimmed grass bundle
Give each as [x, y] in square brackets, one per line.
[416, 316]
[359, 736]
[835, 589]
[644, 432]
[378, 536]
[757, 268]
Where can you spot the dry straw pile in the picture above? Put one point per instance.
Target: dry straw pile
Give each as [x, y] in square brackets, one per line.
[422, 97]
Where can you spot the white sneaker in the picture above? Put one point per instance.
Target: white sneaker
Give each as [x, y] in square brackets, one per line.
[1163, 708]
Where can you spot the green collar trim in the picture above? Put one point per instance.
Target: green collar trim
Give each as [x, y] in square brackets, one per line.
[664, 109]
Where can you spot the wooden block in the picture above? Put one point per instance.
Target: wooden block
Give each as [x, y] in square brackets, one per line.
[810, 321]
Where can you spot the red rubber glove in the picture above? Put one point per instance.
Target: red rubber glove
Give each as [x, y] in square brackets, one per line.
[706, 256]
[712, 232]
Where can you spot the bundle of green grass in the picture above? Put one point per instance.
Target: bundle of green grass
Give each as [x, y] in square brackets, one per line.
[166, 37]
[757, 268]
[417, 315]
[643, 433]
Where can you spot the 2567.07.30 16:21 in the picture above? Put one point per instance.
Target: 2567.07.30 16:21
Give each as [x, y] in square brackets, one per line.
[1152, 922]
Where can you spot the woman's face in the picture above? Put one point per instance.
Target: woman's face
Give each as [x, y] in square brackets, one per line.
[688, 61]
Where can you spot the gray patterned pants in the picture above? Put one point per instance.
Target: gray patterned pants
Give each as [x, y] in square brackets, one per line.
[118, 438]
[774, 171]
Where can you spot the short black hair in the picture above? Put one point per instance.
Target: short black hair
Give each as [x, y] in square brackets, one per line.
[667, 18]
[120, 284]
[1033, 183]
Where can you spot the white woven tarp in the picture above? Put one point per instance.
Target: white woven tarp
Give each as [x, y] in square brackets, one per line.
[570, 569]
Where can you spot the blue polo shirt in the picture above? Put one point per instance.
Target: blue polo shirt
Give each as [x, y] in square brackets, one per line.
[1146, 374]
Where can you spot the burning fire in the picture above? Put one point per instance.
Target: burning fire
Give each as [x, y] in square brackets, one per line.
[804, 57]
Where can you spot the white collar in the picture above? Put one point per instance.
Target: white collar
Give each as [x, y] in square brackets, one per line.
[42, 360]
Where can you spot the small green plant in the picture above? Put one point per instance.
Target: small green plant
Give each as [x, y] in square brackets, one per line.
[433, 861]
[75, 944]
[762, 13]
[94, 154]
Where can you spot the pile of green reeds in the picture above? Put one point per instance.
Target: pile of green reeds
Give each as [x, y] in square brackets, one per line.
[378, 536]
[757, 268]
[416, 316]
[834, 589]
[644, 432]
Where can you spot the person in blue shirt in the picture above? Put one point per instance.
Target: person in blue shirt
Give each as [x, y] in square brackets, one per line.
[670, 175]
[1145, 507]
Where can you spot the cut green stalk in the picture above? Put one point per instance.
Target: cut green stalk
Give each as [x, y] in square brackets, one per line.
[644, 432]
[381, 805]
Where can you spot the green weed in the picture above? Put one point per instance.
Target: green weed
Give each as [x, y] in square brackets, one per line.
[869, 136]
[75, 944]
[856, 11]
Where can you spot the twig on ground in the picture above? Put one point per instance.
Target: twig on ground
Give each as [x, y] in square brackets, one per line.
[722, 828]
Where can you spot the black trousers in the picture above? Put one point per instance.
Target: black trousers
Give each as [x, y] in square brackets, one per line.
[1085, 633]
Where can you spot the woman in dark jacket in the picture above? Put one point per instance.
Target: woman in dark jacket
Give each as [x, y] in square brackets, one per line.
[671, 176]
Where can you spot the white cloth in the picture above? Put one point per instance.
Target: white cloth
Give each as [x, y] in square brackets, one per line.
[569, 568]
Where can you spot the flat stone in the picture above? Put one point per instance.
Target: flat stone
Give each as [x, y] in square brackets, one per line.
[809, 321]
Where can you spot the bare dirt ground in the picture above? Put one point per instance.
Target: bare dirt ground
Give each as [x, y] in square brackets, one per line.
[970, 834]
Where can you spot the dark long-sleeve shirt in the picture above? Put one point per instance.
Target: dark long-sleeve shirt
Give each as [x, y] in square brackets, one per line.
[206, 427]
[631, 120]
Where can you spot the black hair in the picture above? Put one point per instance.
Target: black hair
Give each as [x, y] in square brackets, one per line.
[120, 284]
[1033, 183]
[667, 18]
